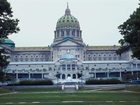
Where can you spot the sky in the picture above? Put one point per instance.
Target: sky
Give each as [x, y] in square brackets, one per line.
[99, 20]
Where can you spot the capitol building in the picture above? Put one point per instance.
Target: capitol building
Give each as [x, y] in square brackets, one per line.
[68, 57]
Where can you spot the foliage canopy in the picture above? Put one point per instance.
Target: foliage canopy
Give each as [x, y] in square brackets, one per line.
[130, 30]
[8, 26]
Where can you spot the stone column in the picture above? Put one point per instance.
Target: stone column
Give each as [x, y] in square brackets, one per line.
[95, 74]
[120, 75]
[108, 74]
[42, 75]
[29, 75]
[16, 76]
[70, 33]
[65, 33]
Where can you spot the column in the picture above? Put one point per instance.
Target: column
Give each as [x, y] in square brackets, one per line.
[16, 76]
[65, 33]
[120, 76]
[108, 74]
[29, 76]
[70, 33]
[42, 75]
[95, 74]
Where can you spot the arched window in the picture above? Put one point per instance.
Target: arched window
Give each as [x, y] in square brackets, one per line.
[73, 32]
[68, 75]
[77, 33]
[58, 32]
[63, 76]
[62, 33]
[68, 32]
[74, 76]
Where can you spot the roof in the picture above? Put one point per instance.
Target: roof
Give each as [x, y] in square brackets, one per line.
[31, 63]
[32, 49]
[67, 20]
[96, 48]
[7, 43]
[102, 48]
[104, 62]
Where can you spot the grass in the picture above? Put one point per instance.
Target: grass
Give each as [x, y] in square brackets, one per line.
[96, 98]
[54, 96]
[2, 90]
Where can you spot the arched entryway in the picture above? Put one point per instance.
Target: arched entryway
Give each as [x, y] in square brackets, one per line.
[68, 75]
[74, 76]
[63, 76]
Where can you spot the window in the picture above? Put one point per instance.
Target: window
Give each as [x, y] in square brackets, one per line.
[31, 59]
[63, 67]
[21, 59]
[26, 59]
[16, 59]
[73, 66]
[87, 68]
[36, 59]
[62, 33]
[77, 33]
[73, 32]
[68, 32]
[57, 32]
[50, 68]
[68, 67]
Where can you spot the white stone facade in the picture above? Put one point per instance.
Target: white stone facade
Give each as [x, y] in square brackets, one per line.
[68, 56]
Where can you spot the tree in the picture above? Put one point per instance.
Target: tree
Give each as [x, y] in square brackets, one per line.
[130, 30]
[8, 26]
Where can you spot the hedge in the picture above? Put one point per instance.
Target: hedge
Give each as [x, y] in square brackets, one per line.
[109, 81]
[35, 82]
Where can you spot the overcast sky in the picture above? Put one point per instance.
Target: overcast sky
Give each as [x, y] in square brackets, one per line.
[98, 19]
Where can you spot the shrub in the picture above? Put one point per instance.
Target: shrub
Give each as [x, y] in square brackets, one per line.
[108, 81]
[36, 82]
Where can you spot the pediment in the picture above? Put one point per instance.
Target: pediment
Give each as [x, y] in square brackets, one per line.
[68, 43]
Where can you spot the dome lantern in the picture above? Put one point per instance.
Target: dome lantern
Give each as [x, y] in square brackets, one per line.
[67, 11]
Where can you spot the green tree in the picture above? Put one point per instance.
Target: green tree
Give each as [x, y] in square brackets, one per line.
[8, 26]
[130, 30]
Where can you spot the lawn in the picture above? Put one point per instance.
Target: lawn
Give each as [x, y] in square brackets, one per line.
[77, 98]
[4, 90]
[54, 96]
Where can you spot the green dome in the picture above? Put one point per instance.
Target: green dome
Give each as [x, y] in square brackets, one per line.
[9, 43]
[67, 20]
